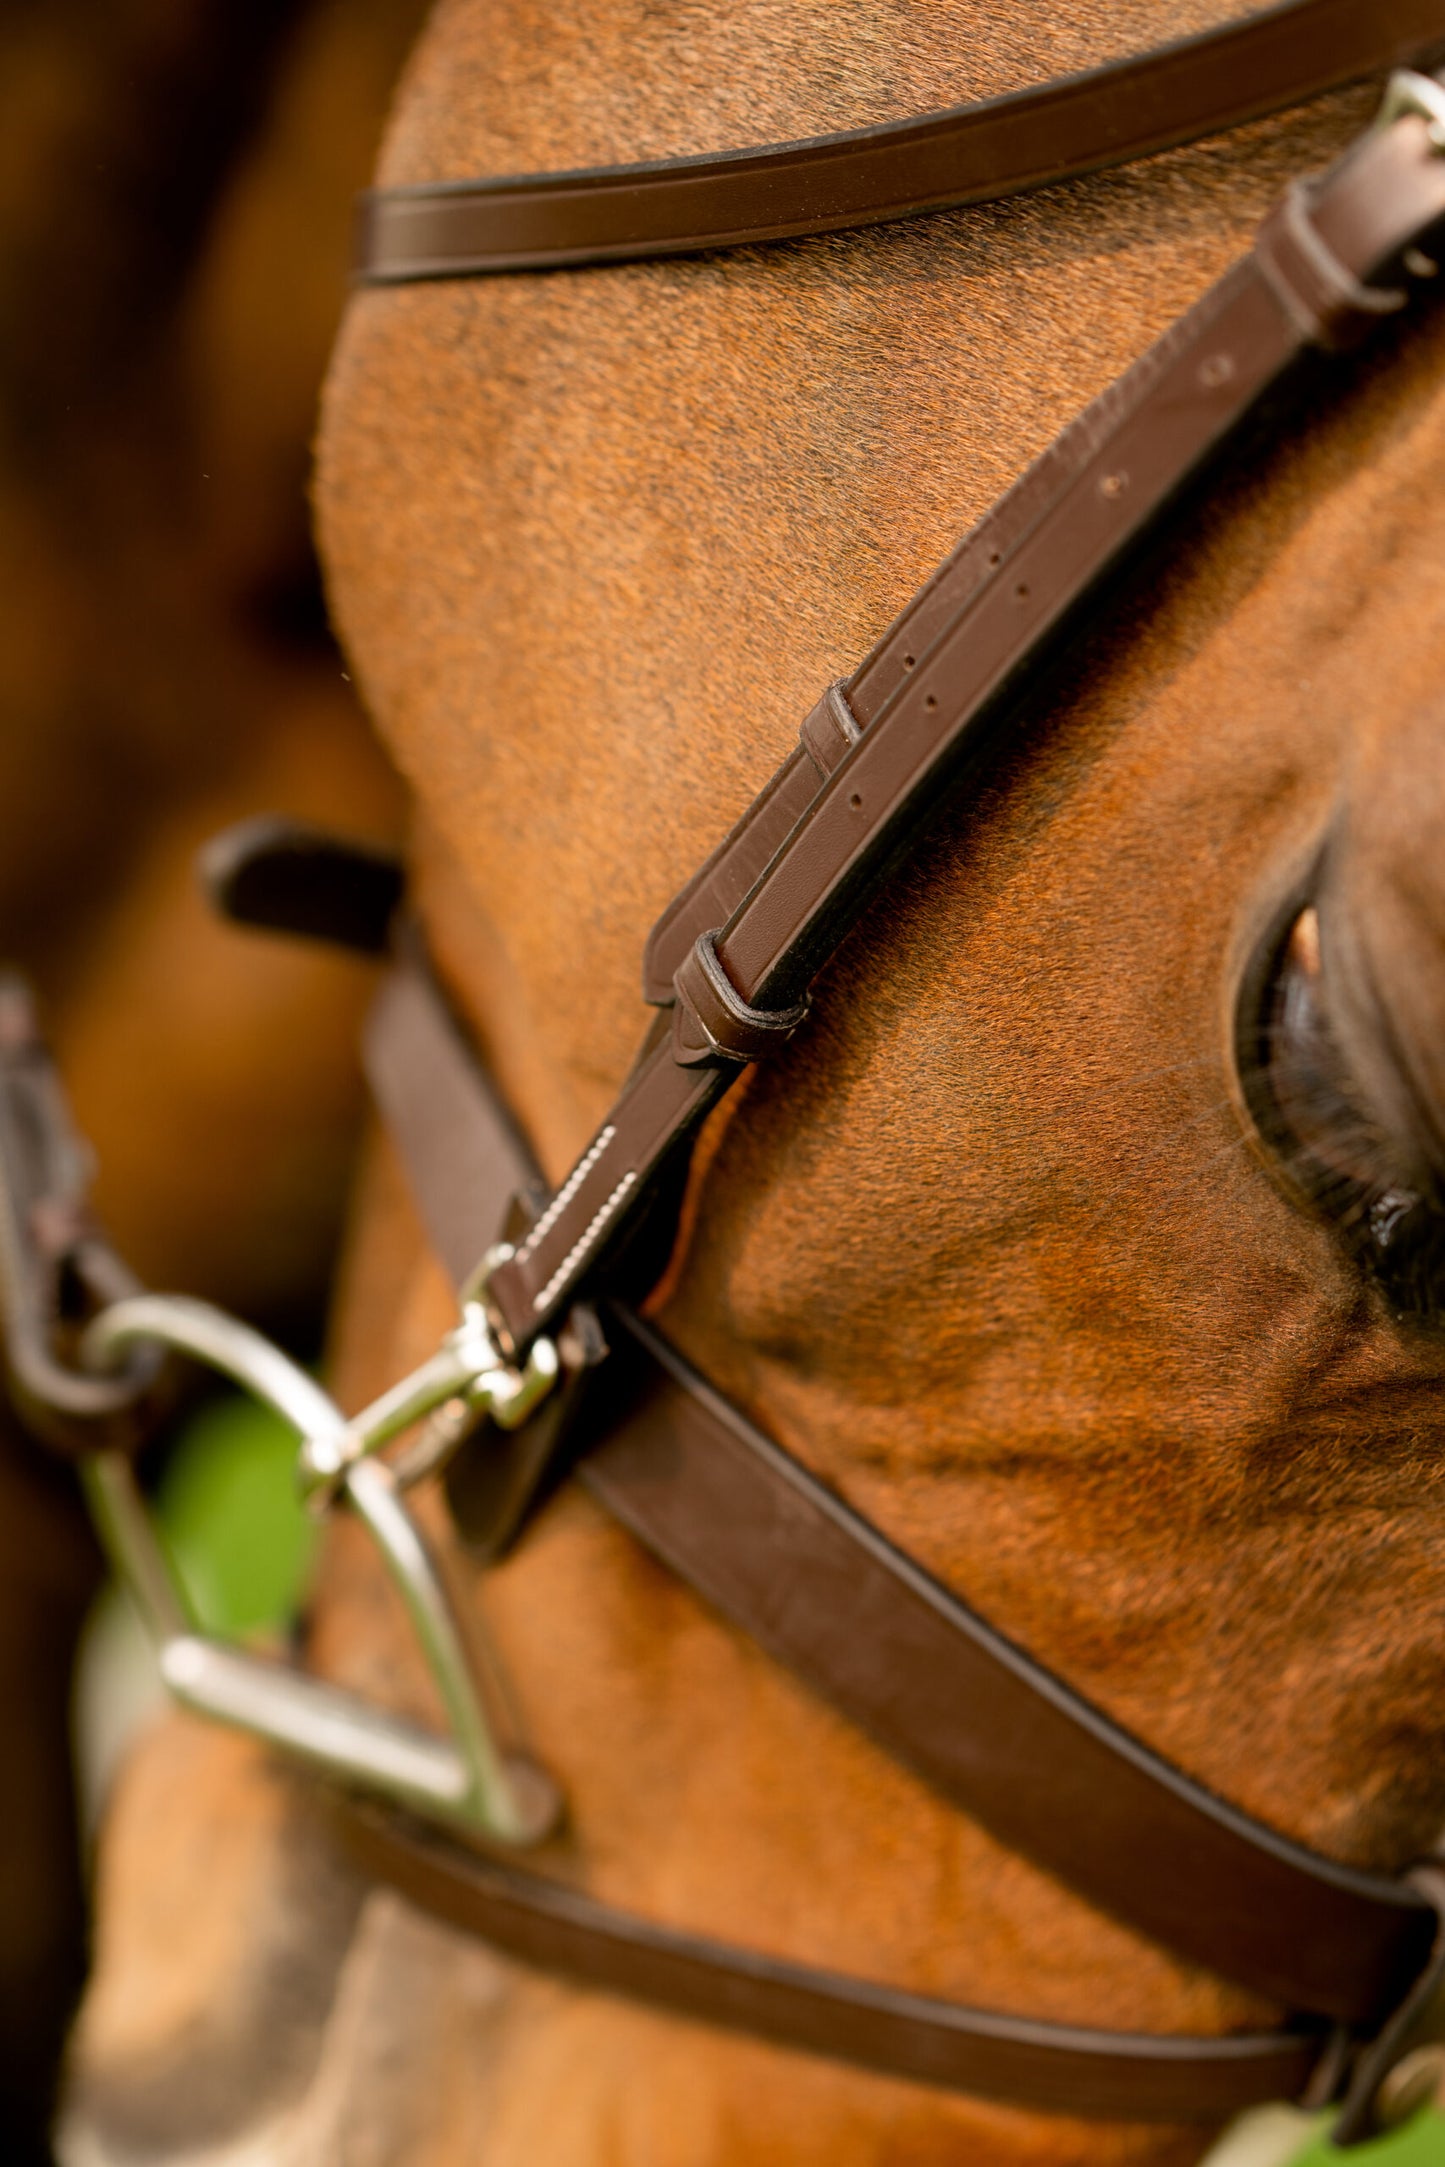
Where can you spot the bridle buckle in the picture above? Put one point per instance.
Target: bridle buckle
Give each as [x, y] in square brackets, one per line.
[1411, 95]
[1402, 2069]
[468, 1379]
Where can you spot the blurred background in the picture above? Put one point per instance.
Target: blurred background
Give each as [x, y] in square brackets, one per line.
[176, 180]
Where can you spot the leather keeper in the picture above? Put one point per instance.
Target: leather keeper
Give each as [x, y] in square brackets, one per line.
[828, 730]
[1318, 292]
[713, 1022]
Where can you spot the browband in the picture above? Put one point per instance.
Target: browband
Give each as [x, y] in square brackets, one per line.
[1148, 102]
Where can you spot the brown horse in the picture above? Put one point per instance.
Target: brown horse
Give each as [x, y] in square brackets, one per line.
[997, 1249]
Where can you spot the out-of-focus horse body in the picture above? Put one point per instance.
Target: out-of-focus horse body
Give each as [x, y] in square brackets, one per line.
[994, 1250]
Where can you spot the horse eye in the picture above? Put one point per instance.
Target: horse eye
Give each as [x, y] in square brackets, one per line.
[1320, 1130]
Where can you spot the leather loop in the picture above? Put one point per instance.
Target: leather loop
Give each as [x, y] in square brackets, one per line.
[287, 876]
[828, 730]
[1322, 297]
[713, 1021]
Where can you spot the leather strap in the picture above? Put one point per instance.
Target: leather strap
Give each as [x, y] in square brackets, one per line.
[978, 153]
[951, 679]
[1136, 2077]
[816, 1585]
[288, 876]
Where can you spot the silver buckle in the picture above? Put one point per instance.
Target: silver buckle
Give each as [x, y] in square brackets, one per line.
[467, 1377]
[1409, 94]
[465, 1778]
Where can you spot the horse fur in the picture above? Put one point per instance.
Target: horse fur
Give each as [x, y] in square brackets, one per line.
[992, 1249]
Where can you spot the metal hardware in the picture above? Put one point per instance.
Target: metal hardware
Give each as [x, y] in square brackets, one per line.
[56, 1272]
[477, 1288]
[1409, 94]
[1414, 2081]
[1397, 2072]
[465, 1778]
[467, 1369]
[55, 1268]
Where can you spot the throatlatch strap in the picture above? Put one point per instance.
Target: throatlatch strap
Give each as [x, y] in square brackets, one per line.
[1051, 2068]
[968, 154]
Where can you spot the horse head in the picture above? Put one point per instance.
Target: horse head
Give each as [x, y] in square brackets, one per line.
[1085, 1239]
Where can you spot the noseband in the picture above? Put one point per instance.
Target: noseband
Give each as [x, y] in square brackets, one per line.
[551, 1373]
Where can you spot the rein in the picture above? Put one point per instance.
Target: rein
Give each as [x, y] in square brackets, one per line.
[551, 1372]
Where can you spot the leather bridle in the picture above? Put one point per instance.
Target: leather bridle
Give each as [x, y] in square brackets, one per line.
[553, 1374]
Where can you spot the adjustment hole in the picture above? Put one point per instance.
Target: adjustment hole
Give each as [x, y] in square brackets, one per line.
[995, 556]
[908, 661]
[1021, 592]
[931, 702]
[855, 801]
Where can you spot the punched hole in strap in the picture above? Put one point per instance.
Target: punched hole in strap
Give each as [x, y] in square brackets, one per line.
[712, 1021]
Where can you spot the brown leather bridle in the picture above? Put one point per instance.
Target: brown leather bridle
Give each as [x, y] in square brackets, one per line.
[729, 966]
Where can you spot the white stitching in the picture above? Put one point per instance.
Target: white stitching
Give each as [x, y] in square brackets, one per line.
[565, 1194]
[579, 1248]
